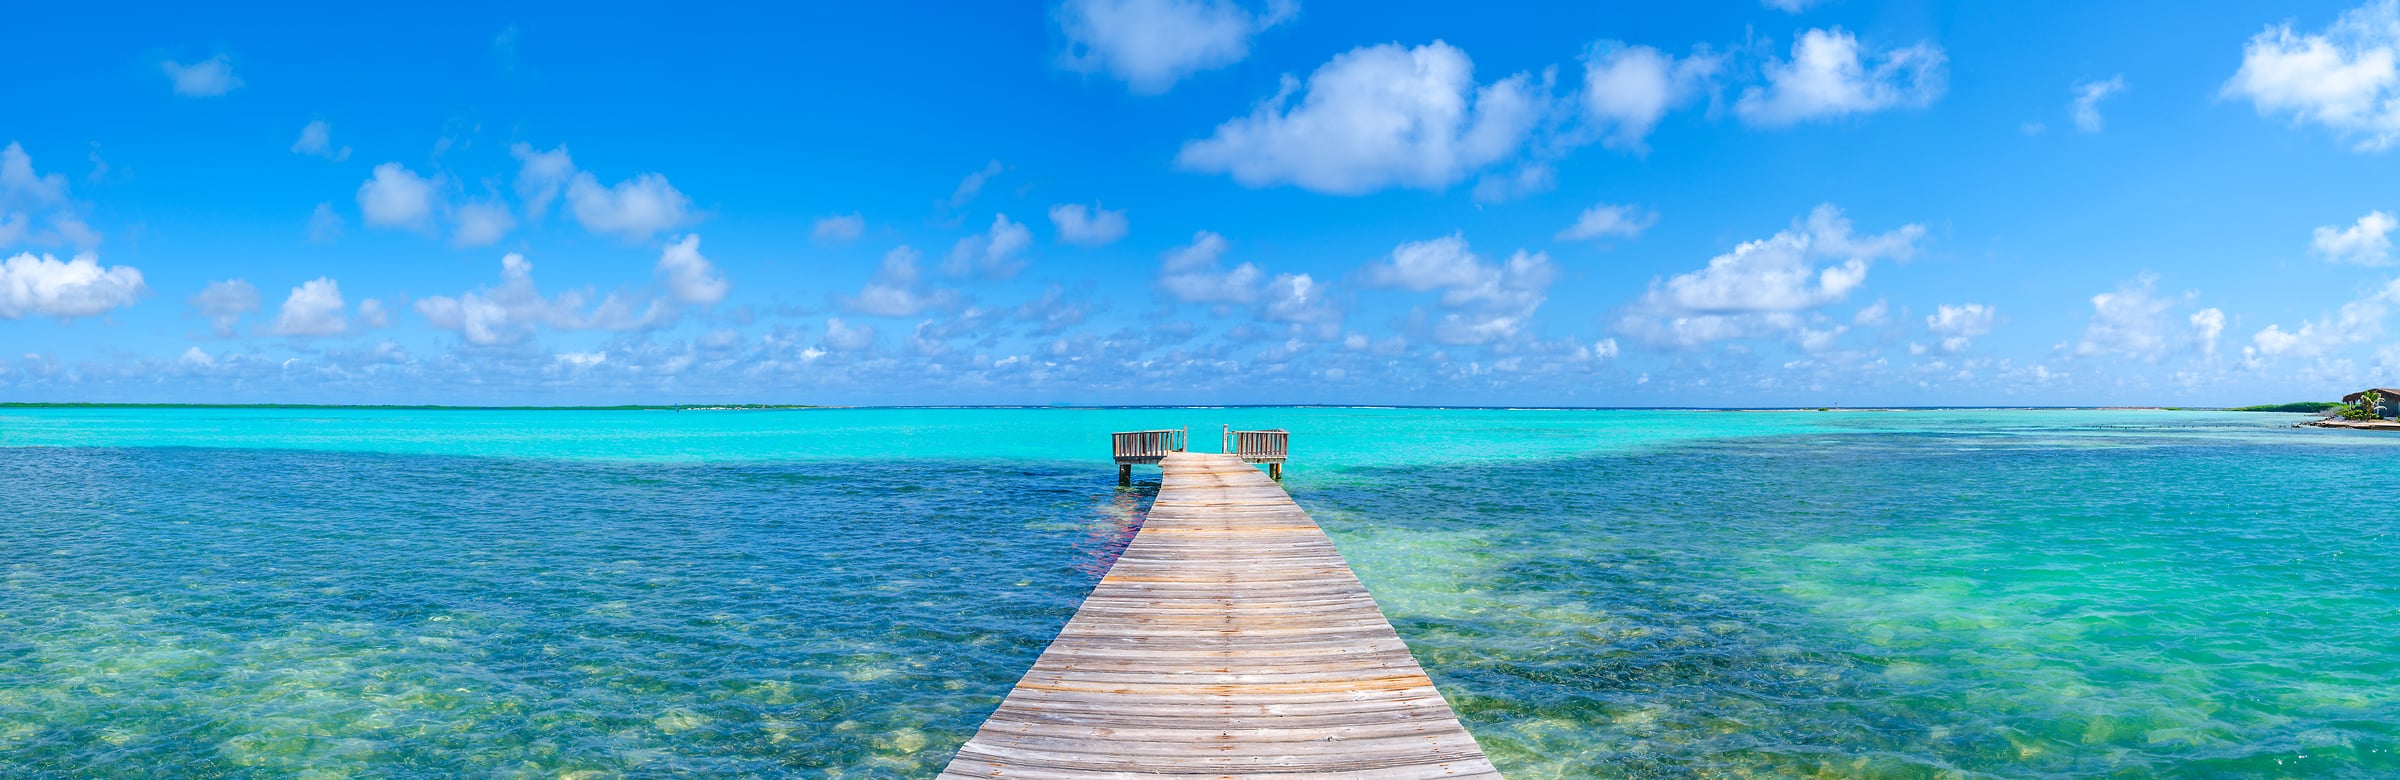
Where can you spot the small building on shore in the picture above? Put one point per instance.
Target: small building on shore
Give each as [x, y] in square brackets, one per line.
[2387, 402]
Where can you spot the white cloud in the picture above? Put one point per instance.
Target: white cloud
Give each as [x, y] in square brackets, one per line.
[1428, 265]
[313, 309]
[372, 314]
[1957, 326]
[1790, 6]
[80, 287]
[224, 303]
[580, 359]
[207, 78]
[1296, 298]
[1829, 76]
[198, 358]
[1761, 287]
[1151, 44]
[396, 197]
[2086, 106]
[2343, 77]
[508, 313]
[541, 176]
[1486, 302]
[1627, 89]
[316, 139]
[26, 195]
[2132, 321]
[994, 254]
[972, 185]
[839, 228]
[1193, 274]
[1088, 225]
[1609, 220]
[896, 290]
[2357, 322]
[482, 224]
[633, 209]
[323, 224]
[2367, 242]
[2208, 324]
[1374, 117]
[844, 337]
[689, 277]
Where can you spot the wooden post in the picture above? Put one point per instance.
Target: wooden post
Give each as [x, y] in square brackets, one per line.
[1124, 474]
[1275, 471]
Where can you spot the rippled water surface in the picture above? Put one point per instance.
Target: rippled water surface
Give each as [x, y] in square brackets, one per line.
[1669, 594]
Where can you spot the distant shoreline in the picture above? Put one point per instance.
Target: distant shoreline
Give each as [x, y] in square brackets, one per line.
[1088, 407]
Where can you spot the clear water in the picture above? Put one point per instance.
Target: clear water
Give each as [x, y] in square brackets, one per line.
[847, 593]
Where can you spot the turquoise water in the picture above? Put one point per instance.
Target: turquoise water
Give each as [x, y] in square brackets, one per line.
[847, 592]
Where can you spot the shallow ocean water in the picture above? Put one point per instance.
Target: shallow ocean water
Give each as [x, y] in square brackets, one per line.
[848, 593]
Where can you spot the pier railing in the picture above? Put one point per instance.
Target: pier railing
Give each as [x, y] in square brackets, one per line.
[1147, 446]
[1271, 447]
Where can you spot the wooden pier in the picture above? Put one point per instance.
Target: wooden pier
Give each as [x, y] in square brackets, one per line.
[1230, 640]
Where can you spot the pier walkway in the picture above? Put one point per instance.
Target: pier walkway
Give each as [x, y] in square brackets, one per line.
[1229, 640]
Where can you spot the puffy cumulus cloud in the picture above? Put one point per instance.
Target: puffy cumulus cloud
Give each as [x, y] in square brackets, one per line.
[633, 209]
[1375, 117]
[839, 228]
[372, 314]
[316, 140]
[844, 337]
[2343, 77]
[313, 309]
[2085, 108]
[897, 290]
[510, 312]
[323, 224]
[1486, 302]
[689, 277]
[1957, 326]
[43, 286]
[2358, 322]
[1297, 298]
[541, 176]
[207, 78]
[1628, 89]
[395, 196]
[481, 224]
[224, 304]
[2365, 242]
[2207, 325]
[1608, 220]
[1764, 287]
[1194, 273]
[35, 207]
[1831, 75]
[997, 253]
[2135, 321]
[1088, 225]
[1151, 44]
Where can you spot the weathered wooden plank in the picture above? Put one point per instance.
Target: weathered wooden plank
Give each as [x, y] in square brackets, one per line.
[1229, 640]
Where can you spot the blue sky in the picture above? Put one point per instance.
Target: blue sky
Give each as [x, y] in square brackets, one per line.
[1196, 201]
